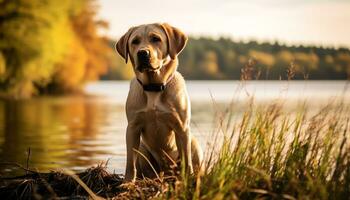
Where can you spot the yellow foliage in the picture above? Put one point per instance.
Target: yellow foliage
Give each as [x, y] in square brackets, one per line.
[23, 89]
[264, 58]
[118, 69]
[344, 59]
[96, 47]
[230, 56]
[71, 70]
[209, 64]
[314, 59]
[242, 59]
[306, 61]
[124, 70]
[58, 39]
[329, 59]
[2, 65]
[285, 56]
[50, 43]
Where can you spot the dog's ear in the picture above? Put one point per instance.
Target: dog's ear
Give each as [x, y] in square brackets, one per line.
[176, 39]
[122, 45]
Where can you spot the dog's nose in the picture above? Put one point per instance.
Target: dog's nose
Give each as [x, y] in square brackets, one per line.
[143, 55]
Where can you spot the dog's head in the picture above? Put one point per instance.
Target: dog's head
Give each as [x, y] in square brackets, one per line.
[151, 46]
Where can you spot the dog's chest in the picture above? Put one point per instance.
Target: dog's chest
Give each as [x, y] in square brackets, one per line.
[156, 113]
[155, 104]
[153, 101]
[156, 121]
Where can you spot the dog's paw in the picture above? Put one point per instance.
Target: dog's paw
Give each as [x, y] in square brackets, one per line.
[129, 179]
[127, 185]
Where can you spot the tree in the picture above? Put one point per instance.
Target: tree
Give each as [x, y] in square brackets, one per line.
[49, 45]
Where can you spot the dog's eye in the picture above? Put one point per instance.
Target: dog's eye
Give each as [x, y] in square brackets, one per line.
[135, 41]
[155, 39]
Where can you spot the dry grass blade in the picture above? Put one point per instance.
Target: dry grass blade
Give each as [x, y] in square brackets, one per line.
[82, 184]
[149, 162]
[291, 71]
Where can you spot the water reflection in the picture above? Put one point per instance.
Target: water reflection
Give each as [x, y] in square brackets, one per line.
[73, 132]
[78, 132]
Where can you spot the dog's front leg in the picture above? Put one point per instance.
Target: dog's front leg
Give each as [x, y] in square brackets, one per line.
[183, 143]
[132, 142]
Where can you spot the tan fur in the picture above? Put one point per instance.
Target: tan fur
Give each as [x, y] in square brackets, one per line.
[158, 122]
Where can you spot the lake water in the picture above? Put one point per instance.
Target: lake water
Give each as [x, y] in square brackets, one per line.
[76, 132]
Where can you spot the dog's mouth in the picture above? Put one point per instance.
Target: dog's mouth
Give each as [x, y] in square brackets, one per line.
[147, 67]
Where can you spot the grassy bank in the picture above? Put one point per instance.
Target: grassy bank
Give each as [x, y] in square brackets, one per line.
[270, 152]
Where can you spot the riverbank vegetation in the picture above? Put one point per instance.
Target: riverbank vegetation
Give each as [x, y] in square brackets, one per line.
[269, 152]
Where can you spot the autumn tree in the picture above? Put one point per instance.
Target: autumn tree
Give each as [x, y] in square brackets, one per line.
[47, 45]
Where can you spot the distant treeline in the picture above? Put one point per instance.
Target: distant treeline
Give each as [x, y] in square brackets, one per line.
[50, 46]
[55, 47]
[206, 58]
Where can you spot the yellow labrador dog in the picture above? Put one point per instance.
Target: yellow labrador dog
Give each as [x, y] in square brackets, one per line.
[157, 108]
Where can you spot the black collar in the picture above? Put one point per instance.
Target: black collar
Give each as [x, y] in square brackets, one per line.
[154, 87]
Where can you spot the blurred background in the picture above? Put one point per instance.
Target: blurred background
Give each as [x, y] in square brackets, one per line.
[57, 46]
[63, 86]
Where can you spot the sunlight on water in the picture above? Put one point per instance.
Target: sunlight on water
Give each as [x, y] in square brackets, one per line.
[80, 131]
[224, 91]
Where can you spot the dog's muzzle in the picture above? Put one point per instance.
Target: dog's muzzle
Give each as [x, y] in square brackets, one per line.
[144, 60]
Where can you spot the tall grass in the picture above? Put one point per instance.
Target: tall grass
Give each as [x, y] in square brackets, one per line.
[274, 154]
[270, 151]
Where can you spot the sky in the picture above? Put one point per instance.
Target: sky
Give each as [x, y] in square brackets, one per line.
[308, 22]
